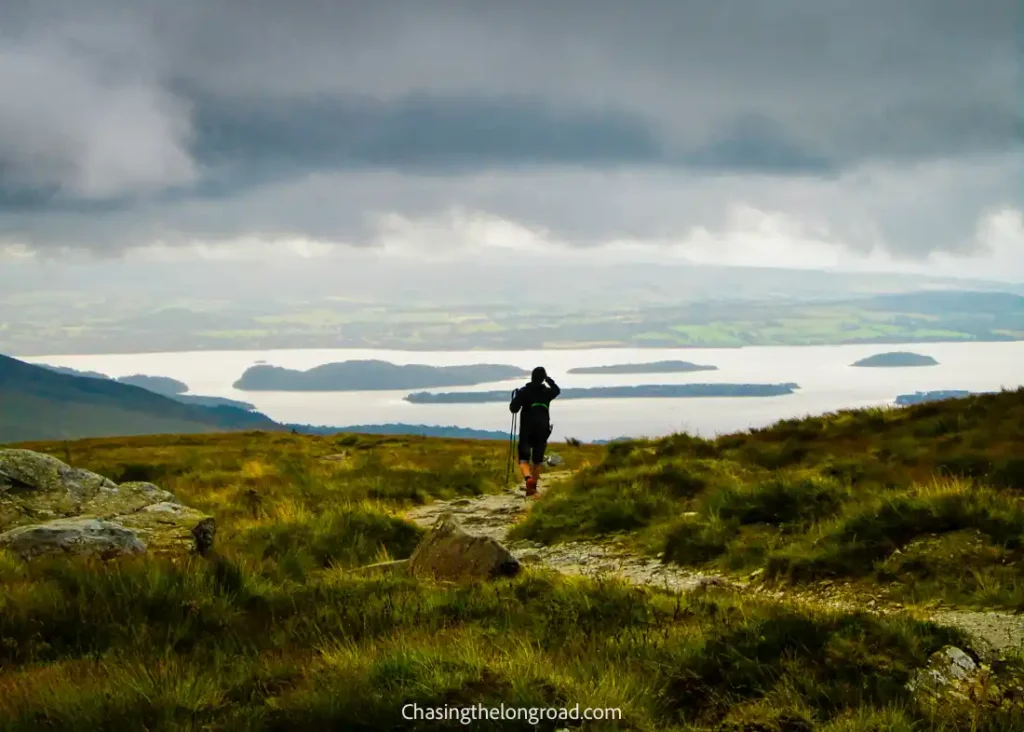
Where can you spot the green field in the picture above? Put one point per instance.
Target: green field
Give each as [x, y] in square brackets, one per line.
[925, 317]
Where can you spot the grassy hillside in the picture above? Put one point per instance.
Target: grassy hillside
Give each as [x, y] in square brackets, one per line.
[39, 403]
[273, 634]
[925, 499]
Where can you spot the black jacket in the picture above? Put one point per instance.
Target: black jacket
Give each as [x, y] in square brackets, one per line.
[534, 400]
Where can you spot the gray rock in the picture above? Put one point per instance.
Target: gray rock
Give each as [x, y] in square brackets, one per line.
[35, 487]
[127, 498]
[36, 471]
[945, 669]
[72, 536]
[48, 507]
[169, 507]
[450, 553]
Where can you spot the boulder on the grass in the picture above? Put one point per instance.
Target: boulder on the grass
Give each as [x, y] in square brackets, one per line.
[72, 536]
[448, 552]
[946, 669]
[35, 487]
[48, 507]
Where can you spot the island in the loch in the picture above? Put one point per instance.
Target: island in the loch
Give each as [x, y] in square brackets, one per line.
[656, 367]
[372, 375]
[646, 391]
[895, 359]
[162, 385]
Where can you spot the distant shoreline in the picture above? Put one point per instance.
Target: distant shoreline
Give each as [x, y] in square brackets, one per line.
[655, 367]
[510, 349]
[653, 391]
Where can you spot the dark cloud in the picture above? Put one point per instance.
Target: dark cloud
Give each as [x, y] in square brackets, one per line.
[760, 145]
[419, 133]
[123, 121]
[916, 209]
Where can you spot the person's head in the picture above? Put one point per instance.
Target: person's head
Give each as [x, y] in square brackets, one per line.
[538, 376]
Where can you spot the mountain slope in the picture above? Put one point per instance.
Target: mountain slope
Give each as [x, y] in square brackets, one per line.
[38, 403]
[170, 388]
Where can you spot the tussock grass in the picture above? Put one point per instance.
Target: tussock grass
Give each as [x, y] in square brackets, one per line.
[158, 645]
[274, 633]
[929, 498]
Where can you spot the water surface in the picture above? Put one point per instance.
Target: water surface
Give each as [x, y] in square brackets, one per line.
[827, 381]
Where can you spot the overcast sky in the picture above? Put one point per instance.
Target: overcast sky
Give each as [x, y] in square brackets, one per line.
[793, 132]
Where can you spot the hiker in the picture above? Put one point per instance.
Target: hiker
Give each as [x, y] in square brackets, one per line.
[534, 401]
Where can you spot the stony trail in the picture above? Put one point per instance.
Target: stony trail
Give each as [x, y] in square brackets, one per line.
[494, 515]
[993, 632]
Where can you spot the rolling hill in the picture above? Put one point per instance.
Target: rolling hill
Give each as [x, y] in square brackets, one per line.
[39, 403]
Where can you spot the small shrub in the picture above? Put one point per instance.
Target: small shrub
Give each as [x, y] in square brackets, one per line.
[595, 505]
[780, 500]
[1008, 473]
[676, 479]
[143, 473]
[964, 464]
[346, 536]
[696, 542]
[846, 470]
[774, 456]
[684, 445]
[853, 545]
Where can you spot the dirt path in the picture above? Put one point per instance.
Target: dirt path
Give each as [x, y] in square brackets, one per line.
[493, 515]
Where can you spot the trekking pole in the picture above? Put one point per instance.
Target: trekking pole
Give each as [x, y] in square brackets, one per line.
[511, 437]
[508, 460]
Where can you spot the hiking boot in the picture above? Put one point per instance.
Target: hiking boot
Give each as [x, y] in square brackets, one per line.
[531, 486]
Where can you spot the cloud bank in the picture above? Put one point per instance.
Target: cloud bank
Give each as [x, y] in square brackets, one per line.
[875, 126]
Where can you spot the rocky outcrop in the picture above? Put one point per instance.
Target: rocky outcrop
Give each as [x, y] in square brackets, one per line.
[955, 687]
[48, 507]
[72, 536]
[448, 552]
[946, 669]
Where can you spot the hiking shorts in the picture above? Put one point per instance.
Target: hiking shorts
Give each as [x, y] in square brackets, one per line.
[531, 450]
